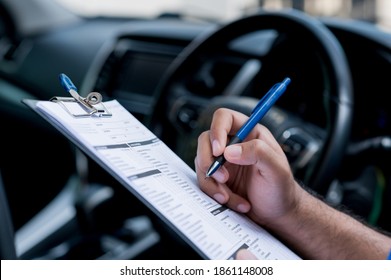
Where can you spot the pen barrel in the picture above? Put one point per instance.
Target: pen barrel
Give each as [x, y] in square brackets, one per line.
[221, 160]
[234, 140]
[262, 108]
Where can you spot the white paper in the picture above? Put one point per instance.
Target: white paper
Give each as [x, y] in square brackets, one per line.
[148, 168]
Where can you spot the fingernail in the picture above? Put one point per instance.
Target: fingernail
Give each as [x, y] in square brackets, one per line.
[234, 151]
[244, 254]
[219, 198]
[243, 208]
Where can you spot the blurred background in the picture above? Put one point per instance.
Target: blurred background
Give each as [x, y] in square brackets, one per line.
[113, 48]
[374, 11]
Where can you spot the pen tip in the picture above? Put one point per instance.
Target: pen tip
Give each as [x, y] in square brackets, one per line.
[210, 172]
[213, 168]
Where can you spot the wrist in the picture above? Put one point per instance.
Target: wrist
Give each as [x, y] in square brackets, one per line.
[296, 227]
[293, 213]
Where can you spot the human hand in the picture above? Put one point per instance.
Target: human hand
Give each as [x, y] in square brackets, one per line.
[256, 179]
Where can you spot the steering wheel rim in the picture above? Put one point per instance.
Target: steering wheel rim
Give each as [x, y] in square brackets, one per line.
[338, 100]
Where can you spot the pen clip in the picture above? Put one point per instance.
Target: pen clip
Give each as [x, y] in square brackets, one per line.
[277, 87]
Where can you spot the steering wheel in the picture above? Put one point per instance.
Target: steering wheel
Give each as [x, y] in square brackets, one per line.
[191, 90]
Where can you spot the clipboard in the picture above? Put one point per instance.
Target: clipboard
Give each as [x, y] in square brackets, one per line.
[152, 172]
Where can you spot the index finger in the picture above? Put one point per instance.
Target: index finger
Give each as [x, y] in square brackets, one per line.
[225, 122]
[228, 122]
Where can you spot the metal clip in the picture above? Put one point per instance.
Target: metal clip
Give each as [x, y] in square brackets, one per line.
[92, 104]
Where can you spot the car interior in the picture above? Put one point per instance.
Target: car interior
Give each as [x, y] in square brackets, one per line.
[172, 72]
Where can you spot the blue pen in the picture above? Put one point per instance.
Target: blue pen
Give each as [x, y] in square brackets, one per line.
[257, 114]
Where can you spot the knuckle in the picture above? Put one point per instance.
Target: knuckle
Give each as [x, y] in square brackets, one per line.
[203, 135]
[258, 148]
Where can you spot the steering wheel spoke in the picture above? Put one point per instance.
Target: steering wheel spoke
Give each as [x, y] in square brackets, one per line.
[185, 112]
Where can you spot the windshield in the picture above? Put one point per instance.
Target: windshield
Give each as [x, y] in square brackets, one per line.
[375, 11]
[216, 10]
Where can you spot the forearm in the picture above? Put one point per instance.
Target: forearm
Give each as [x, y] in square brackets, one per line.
[317, 231]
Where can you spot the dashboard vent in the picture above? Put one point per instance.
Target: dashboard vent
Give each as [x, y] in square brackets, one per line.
[132, 72]
[104, 83]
